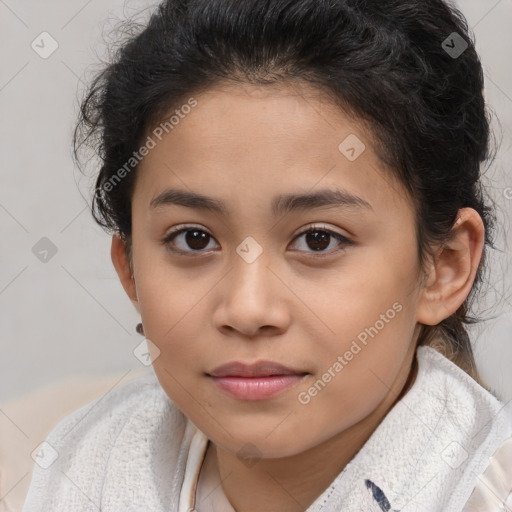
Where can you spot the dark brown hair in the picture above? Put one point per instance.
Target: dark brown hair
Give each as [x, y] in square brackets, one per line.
[391, 63]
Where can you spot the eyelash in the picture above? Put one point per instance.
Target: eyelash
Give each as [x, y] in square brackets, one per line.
[173, 234]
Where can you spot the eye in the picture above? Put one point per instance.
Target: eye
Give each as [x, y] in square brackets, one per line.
[319, 238]
[190, 239]
[187, 238]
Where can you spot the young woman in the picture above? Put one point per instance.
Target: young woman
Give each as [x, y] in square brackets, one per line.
[293, 191]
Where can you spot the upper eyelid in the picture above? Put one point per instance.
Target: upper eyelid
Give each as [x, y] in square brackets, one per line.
[186, 227]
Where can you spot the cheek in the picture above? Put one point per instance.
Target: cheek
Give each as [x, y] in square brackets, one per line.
[165, 295]
[347, 398]
[173, 316]
[180, 340]
[373, 321]
[363, 301]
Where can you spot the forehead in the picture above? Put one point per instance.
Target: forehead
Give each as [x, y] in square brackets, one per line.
[249, 140]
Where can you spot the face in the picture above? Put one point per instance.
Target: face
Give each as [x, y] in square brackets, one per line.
[246, 282]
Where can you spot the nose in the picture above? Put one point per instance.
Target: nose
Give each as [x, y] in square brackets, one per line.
[254, 301]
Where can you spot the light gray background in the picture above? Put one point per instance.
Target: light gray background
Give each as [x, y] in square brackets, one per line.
[70, 316]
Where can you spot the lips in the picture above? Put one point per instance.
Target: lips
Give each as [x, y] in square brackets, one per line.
[257, 381]
[254, 370]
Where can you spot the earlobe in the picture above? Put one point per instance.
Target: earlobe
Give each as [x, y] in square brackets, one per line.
[454, 269]
[122, 265]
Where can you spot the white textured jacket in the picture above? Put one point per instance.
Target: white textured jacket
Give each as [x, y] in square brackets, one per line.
[446, 446]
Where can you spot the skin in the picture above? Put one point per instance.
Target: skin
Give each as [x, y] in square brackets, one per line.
[243, 145]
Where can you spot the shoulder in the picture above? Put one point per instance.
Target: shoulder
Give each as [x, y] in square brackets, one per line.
[459, 394]
[88, 447]
[108, 413]
[485, 424]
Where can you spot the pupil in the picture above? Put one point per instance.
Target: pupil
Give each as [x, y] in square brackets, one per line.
[197, 239]
[316, 241]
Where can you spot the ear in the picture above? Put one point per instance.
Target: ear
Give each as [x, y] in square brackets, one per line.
[453, 271]
[123, 268]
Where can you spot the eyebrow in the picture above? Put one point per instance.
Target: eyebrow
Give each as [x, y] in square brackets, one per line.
[281, 204]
